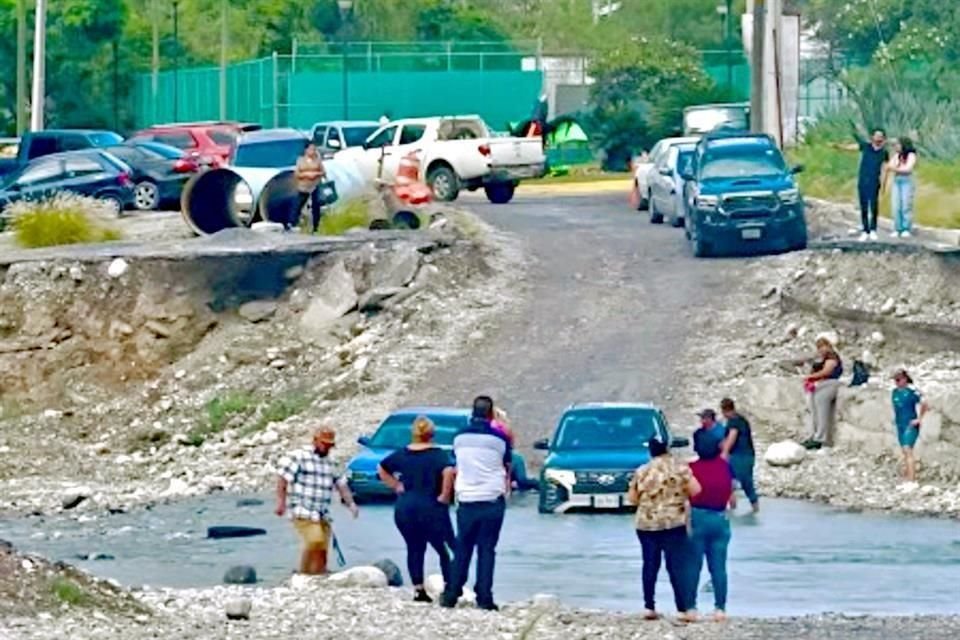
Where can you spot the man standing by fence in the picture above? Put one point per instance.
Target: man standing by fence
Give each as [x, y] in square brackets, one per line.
[483, 481]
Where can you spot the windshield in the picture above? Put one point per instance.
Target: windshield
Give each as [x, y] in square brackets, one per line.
[105, 139]
[683, 161]
[699, 121]
[628, 428]
[356, 136]
[394, 433]
[749, 163]
[276, 154]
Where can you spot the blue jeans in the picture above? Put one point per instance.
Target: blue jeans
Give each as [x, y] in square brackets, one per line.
[478, 526]
[902, 199]
[742, 466]
[710, 537]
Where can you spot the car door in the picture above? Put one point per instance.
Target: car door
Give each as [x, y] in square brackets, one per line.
[41, 179]
[409, 141]
[84, 174]
[661, 185]
[378, 148]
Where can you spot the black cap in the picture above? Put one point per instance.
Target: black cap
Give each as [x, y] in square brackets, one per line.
[708, 413]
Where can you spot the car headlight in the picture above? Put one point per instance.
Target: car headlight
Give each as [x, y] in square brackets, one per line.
[565, 477]
[789, 196]
[707, 203]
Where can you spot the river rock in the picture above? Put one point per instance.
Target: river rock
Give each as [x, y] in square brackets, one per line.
[73, 500]
[395, 268]
[391, 570]
[241, 574]
[238, 609]
[784, 454]
[333, 298]
[117, 268]
[257, 310]
[361, 577]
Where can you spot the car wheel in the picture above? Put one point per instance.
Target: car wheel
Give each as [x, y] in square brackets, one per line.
[676, 221]
[544, 504]
[146, 196]
[642, 203]
[701, 249]
[500, 192]
[113, 202]
[444, 183]
[655, 216]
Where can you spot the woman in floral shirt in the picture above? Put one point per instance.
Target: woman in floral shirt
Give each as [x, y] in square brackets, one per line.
[661, 489]
[906, 400]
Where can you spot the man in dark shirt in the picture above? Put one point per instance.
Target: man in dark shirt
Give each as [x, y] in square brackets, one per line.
[873, 162]
[738, 448]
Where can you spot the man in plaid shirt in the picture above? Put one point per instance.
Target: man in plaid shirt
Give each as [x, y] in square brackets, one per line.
[308, 478]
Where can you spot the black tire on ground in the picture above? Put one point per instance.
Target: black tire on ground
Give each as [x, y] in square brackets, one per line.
[229, 531]
[500, 192]
[676, 222]
[655, 216]
[642, 203]
[444, 183]
[544, 504]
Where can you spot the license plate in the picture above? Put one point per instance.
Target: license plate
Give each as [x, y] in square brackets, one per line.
[606, 501]
[751, 234]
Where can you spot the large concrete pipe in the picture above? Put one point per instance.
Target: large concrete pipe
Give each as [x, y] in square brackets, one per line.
[239, 196]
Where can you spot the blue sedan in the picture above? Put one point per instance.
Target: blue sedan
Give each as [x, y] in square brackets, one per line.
[394, 433]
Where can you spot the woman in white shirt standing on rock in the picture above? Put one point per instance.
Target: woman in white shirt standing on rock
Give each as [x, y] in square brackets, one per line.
[902, 164]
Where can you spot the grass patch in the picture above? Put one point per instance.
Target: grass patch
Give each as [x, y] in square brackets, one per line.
[584, 173]
[69, 592]
[59, 220]
[352, 214]
[277, 410]
[831, 174]
[221, 411]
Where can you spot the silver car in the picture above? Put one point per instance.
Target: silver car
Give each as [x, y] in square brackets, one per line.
[666, 185]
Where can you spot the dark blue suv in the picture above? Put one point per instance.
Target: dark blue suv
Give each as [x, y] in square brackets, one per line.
[741, 198]
[594, 453]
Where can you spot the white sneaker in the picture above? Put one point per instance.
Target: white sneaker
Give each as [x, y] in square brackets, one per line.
[905, 234]
[864, 236]
[873, 235]
[894, 234]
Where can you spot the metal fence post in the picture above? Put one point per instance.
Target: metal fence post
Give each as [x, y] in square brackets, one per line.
[276, 90]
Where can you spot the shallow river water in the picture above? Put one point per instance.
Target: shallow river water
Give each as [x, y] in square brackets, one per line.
[794, 558]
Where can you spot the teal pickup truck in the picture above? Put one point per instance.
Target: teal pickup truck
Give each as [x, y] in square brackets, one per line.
[594, 452]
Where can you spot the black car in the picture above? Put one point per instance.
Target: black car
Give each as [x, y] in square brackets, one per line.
[36, 144]
[741, 198]
[93, 172]
[159, 172]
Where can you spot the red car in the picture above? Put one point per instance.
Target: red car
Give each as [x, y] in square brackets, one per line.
[210, 143]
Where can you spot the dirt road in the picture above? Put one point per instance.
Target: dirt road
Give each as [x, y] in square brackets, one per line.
[607, 306]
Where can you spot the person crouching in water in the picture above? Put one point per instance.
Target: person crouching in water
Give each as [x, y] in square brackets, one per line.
[709, 525]
[308, 478]
[661, 490]
[906, 400]
[421, 474]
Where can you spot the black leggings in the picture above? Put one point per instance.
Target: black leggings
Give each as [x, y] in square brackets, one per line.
[422, 521]
[675, 545]
[869, 205]
[293, 221]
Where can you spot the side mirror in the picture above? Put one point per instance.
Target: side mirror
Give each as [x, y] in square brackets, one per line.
[363, 441]
[541, 445]
[666, 171]
[797, 169]
[333, 144]
[679, 443]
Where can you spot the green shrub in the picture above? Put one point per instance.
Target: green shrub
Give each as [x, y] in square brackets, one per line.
[69, 592]
[62, 219]
[352, 214]
[220, 410]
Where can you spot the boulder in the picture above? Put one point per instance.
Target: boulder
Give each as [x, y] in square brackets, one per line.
[391, 570]
[333, 298]
[241, 574]
[257, 310]
[73, 500]
[395, 268]
[117, 268]
[784, 454]
[361, 577]
[238, 609]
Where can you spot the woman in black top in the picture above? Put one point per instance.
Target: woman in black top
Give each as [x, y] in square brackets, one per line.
[421, 474]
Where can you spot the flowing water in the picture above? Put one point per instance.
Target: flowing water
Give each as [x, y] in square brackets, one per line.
[794, 558]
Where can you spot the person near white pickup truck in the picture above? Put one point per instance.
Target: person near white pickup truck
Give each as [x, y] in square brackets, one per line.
[455, 153]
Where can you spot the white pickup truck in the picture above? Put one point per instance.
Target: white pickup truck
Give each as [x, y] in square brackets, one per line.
[455, 153]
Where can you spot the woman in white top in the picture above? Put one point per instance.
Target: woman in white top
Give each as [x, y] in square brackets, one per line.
[902, 164]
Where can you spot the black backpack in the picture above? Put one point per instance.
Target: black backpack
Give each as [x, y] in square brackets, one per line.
[861, 373]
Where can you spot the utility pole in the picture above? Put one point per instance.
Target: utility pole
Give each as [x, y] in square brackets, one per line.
[728, 43]
[39, 67]
[21, 66]
[155, 64]
[757, 59]
[224, 43]
[176, 59]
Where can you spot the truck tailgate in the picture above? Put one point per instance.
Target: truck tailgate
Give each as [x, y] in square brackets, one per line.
[516, 152]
